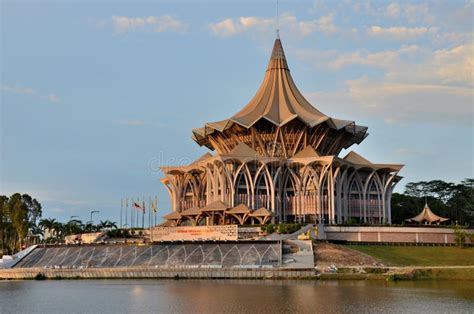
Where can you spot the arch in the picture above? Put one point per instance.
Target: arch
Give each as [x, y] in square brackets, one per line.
[354, 195]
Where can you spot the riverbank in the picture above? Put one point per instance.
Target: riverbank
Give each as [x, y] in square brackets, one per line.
[465, 273]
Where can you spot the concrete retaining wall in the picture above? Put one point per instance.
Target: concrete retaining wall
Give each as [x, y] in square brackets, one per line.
[145, 272]
[393, 234]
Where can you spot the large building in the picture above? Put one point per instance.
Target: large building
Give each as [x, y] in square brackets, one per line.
[278, 160]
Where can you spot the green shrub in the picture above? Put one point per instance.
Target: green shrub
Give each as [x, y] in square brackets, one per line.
[118, 233]
[40, 276]
[352, 221]
[459, 237]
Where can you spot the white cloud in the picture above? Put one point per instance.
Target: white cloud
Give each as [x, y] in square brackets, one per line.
[410, 63]
[336, 60]
[28, 91]
[413, 13]
[418, 84]
[401, 103]
[455, 65]
[158, 24]
[401, 32]
[393, 10]
[233, 26]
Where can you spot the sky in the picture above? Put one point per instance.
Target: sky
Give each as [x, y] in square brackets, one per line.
[97, 95]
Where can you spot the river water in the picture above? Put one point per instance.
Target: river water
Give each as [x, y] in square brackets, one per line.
[228, 296]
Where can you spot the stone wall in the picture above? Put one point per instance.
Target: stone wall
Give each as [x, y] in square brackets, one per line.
[149, 272]
[391, 234]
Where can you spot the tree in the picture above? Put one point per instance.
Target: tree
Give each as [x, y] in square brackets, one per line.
[47, 224]
[454, 201]
[3, 203]
[73, 226]
[18, 212]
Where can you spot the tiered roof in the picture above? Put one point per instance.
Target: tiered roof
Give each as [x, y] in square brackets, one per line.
[279, 101]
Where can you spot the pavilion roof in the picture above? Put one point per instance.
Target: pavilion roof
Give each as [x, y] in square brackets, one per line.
[172, 216]
[261, 212]
[427, 215]
[193, 211]
[215, 206]
[279, 101]
[239, 209]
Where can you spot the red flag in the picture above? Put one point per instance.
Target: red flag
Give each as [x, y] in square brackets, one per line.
[136, 205]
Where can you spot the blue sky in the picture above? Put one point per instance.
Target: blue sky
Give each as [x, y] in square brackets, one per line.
[96, 95]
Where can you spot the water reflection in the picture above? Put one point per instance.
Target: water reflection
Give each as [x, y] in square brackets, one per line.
[246, 296]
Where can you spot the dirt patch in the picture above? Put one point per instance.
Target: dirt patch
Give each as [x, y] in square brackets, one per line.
[332, 254]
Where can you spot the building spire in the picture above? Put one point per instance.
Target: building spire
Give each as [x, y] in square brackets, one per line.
[277, 59]
[277, 20]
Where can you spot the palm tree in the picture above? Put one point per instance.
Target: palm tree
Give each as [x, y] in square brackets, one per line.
[59, 230]
[107, 225]
[47, 225]
[89, 227]
[74, 226]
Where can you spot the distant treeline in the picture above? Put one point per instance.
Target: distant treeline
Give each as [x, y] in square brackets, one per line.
[21, 224]
[450, 200]
[19, 215]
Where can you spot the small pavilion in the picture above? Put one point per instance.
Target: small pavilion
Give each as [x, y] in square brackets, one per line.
[240, 212]
[193, 214]
[262, 214]
[427, 217]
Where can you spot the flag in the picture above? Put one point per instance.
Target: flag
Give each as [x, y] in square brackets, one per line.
[143, 205]
[137, 206]
[153, 206]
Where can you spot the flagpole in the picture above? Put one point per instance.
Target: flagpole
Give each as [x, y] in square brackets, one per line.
[126, 206]
[121, 210]
[137, 215]
[156, 206]
[150, 206]
[143, 215]
[132, 212]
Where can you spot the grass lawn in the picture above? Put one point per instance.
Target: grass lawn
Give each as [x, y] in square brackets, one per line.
[419, 255]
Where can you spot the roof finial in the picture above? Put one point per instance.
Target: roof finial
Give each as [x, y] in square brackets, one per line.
[277, 20]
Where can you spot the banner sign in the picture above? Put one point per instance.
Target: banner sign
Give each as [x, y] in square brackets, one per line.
[195, 233]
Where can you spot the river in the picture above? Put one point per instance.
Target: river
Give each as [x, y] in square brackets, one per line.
[227, 296]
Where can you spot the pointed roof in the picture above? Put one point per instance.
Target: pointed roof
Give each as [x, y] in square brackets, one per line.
[193, 211]
[215, 206]
[279, 101]
[202, 158]
[239, 209]
[242, 150]
[261, 212]
[357, 159]
[427, 215]
[172, 216]
[307, 152]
